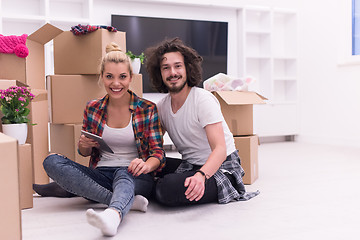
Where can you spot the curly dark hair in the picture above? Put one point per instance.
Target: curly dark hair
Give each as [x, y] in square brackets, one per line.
[192, 61]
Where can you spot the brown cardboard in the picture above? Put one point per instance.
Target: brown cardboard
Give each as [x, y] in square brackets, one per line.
[82, 54]
[69, 95]
[10, 220]
[6, 83]
[25, 176]
[29, 70]
[38, 134]
[237, 108]
[64, 139]
[248, 152]
[136, 85]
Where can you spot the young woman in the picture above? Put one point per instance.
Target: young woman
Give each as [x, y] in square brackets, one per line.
[131, 127]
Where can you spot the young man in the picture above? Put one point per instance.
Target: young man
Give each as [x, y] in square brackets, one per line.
[210, 169]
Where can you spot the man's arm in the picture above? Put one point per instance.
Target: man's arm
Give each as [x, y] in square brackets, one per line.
[216, 138]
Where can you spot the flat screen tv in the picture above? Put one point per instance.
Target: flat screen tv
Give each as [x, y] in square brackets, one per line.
[208, 38]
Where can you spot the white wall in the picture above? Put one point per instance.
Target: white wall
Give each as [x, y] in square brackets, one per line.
[329, 98]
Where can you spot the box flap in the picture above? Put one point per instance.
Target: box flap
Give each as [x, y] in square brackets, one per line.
[45, 34]
[240, 97]
[40, 94]
[5, 83]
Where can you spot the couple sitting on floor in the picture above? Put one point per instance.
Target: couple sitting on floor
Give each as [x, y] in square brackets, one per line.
[209, 170]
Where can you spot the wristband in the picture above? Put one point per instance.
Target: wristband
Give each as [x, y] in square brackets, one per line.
[202, 173]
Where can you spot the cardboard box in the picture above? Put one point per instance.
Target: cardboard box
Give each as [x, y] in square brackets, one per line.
[10, 220]
[69, 95]
[137, 85]
[25, 175]
[38, 134]
[83, 54]
[248, 152]
[29, 70]
[64, 139]
[237, 108]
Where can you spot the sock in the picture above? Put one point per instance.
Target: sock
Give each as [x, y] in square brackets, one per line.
[51, 190]
[140, 203]
[107, 221]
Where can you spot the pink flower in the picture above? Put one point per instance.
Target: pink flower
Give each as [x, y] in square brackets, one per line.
[22, 99]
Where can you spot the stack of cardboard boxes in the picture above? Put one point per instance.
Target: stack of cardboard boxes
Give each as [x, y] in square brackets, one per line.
[23, 163]
[75, 82]
[237, 108]
[30, 72]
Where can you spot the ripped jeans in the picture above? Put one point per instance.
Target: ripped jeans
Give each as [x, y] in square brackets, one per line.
[113, 186]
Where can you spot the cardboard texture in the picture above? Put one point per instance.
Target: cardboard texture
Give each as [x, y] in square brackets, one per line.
[137, 85]
[237, 108]
[69, 95]
[38, 134]
[248, 152]
[10, 220]
[29, 70]
[25, 176]
[82, 54]
[64, 139]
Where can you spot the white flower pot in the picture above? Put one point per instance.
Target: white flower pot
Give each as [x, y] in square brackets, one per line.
[18, 131]
[136, 65]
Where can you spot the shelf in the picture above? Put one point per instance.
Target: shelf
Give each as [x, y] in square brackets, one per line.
[269, 39]
[257, 44]
[284, 34]
[257, 20]
[285, 67]
[35, 13]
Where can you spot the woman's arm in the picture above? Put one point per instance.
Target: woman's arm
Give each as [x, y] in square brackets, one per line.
[138, 166]
[196, 183]
[156, 153]
[85, 145]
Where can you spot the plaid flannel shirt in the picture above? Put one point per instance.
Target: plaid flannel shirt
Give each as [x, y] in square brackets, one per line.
[145, 122]
[226, 191]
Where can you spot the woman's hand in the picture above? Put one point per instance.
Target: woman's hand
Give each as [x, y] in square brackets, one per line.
[138, 167]
[195, 187]
[86, 144]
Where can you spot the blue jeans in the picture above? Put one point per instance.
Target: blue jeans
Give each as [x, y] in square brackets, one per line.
[113, 186]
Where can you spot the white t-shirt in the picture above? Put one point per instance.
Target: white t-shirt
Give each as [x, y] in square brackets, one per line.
[122, 142]
[186, 127]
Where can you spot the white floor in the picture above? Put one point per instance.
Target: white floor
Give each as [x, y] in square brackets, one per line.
[307, 192]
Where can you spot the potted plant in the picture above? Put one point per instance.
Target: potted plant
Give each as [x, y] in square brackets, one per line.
[136, 61]
[14, 102]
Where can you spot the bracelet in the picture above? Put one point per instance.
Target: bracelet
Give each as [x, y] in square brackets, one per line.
[202, 173]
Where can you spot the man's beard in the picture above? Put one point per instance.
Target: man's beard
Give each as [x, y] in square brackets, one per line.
[175, 89]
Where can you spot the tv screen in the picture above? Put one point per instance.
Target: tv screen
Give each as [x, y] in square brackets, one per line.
[208, 38]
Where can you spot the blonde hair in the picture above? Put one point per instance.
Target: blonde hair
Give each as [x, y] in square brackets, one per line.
[116, 55]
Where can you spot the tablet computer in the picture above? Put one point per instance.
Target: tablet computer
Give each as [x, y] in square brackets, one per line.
[100, 140]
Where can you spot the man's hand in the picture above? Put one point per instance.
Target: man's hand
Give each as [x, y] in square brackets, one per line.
[195, 187]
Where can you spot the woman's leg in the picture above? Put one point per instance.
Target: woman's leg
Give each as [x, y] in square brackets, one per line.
[78, 179]
[170, 190]
[109, 220]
